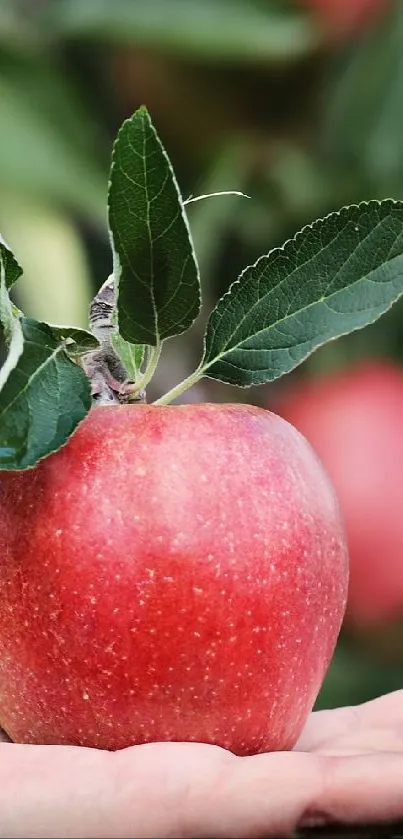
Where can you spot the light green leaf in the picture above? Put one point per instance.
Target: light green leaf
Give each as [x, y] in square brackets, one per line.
[9, 315]
[155, 264]
[43, 400]
[131, 355]
[209, 29]
[47, 138]
[337, 275]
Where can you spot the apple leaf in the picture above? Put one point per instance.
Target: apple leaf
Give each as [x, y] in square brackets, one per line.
[9, 265]
[9, 315]
[44, 398]
[155, 264]
[76, 341]
[131, 355]
[335, 276]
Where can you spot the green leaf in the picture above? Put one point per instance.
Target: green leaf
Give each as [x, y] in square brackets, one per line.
[131, 355]
[9, 316]
[76, 341]
[43, 400]
[155, 264]
[337, 275]
[11, 271]
[226, 30]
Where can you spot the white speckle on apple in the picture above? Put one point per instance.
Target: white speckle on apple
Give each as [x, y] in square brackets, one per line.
[85, 695]
[140, 471]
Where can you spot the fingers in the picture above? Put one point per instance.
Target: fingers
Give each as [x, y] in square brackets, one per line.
[327, 729]
[366, 789]
[272, 795]
[170, 789]
[66, 792]
[262, 796]
[189, 790]
[386, 710]
[51, 789]
[324, 727]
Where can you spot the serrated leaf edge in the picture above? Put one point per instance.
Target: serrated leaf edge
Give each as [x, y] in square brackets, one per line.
[143, 112]
[204, 366]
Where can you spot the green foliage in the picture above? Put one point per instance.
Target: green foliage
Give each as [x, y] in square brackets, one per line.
[363, 115]
[76, 341]
[212, 29]
[44, 398]
[337, 275]
[132, 355]
[9, 318]
[155, 264]
[47, 138]
[10, 270]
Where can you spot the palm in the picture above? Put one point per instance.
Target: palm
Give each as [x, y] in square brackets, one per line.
[347, 766]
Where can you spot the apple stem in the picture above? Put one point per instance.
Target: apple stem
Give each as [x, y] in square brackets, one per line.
[108, 375]
[181, 387]
[153, 360]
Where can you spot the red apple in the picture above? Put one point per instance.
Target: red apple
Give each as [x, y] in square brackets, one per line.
[172, 573]
[354, 420]
[344, 16]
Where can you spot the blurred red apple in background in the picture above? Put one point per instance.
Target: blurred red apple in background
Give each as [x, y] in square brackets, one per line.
[354, 420]
[345, 16]
[172, 573]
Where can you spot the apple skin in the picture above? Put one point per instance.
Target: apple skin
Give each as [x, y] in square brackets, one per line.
[172, 573]
[353, 419]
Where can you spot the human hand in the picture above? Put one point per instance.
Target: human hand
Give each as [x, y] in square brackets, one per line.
[347, 767]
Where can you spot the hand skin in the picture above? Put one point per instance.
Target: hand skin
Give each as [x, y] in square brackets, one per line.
[347, 766]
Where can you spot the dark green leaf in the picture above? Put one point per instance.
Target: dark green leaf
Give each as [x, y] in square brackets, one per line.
[155, 264]
[9, 265]
[76, 341]
[210, 29]
[131, 355]
[9, 316]
[42, 401]
[337, 275]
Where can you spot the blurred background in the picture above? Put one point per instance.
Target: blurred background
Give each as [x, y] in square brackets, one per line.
[298, 103]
